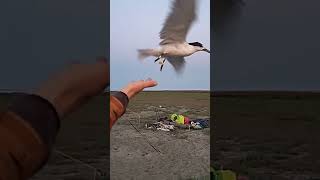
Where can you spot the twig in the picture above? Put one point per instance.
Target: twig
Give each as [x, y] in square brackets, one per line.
[144, 137]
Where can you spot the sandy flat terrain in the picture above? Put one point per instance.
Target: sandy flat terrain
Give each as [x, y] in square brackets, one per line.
[184, 154]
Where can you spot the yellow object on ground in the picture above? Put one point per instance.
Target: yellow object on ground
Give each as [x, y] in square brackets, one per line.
[173, 117]
[180, 119]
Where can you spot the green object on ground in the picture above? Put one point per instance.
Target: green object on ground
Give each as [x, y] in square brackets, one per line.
[173, 117]
[180, 119]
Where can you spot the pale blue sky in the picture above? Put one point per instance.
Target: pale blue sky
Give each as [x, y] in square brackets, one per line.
[135, 25]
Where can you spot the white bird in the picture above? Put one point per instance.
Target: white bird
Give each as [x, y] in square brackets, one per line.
[173, 46]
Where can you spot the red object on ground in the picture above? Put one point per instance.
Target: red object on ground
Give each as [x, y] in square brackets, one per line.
[186, 120]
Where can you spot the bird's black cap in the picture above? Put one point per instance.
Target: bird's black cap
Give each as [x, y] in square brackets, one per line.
[196, 44]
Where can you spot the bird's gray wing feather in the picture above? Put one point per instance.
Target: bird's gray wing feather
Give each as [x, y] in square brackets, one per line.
[178, 22]
[178, 64]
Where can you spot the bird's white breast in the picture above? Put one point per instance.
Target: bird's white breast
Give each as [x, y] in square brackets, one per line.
[181, 50]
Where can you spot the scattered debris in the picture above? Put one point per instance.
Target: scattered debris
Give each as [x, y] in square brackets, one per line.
[160, 126]
[176, 120]
[200, 123]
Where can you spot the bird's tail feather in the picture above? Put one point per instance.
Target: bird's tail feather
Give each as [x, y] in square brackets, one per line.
[144, 53]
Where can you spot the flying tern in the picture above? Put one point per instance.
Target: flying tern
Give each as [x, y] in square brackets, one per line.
[173, 46]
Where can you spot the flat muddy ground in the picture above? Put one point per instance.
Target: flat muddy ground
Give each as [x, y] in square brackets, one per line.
[268, 135]
[183, 154]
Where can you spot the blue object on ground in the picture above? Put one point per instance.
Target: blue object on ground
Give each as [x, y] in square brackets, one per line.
[203, 123]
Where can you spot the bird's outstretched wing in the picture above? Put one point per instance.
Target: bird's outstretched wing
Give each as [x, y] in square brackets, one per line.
[178, 22]
[178, 64]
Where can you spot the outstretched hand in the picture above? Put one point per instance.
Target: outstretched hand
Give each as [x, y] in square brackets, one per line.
[135, 87]
[74, 86]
